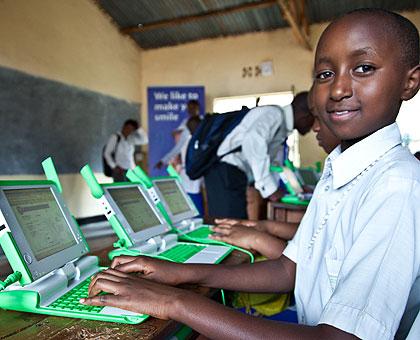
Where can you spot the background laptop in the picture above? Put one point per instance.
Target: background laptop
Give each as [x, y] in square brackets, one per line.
[307, 177]
[44, 244]
[141, 227]
[296, 192]
[180, 209]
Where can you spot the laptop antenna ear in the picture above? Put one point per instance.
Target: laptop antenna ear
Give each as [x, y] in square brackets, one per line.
[91, 181]
[172, 172]
[51, 173]
[143, 177]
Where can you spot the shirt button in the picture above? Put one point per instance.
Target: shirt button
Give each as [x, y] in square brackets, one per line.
[327, 188]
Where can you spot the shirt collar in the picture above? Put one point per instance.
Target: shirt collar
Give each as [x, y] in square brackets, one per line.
[288, 117]
[345, 166]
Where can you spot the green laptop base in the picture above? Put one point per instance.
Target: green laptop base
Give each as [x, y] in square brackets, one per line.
[171, 254]
[29, 301]
[294, 200]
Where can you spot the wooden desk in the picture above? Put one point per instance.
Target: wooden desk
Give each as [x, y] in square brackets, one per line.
[281, 212]
[18, 325]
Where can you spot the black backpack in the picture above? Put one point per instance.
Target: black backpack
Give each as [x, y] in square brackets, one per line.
[107, 169]
[203, 145]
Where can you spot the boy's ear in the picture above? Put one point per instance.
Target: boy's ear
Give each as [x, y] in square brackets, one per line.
[412, 83]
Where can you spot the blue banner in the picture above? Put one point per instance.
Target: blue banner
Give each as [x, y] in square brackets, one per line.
[167, 108]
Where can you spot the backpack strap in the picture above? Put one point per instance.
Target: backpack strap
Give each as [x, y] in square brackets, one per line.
[116, 145]
[237, 149]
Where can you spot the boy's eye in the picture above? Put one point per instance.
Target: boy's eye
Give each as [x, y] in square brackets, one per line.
[324, 75]
[364, 68]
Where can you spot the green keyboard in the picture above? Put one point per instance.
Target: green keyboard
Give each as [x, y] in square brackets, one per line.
[202, 232]
[70, 300]
[181, 252]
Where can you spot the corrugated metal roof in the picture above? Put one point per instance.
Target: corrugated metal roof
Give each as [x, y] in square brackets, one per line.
[130, 13]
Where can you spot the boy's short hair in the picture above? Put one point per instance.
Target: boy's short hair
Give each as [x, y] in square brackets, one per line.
[134, 123]
[403, 30]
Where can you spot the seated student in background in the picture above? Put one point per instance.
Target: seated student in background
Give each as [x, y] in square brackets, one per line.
[355, 259]
[119, 151]
[269, 237]
[260, 135]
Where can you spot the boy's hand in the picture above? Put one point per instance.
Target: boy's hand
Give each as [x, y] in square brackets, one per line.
[232, 221]
[238, 235]
[133, 293]
[149, 268]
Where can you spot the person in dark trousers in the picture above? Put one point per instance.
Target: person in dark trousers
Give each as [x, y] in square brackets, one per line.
[260, 135]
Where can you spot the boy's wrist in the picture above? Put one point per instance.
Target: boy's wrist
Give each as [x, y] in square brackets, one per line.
[181, 305]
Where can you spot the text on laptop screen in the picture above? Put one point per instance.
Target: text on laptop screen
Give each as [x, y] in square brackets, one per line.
[135, 208]
[173, 196]
[42, 221]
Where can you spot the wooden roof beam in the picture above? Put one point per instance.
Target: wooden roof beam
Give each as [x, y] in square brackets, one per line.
[182, 20]
[295, 16]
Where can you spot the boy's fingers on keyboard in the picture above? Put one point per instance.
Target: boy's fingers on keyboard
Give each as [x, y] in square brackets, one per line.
[121, 260]
[224, 230]
[103, 275]
[228, 221]
[218, 237]
[101, 300]
[103, 285]
[139, 266]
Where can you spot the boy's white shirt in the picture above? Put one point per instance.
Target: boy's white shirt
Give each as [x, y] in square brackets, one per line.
[356, 272]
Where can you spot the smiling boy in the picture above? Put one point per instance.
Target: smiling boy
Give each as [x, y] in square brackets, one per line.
[356, 255]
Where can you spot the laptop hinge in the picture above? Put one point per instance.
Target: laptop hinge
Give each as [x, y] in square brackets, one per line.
[61, 280]
[168, 240]
[189, 224]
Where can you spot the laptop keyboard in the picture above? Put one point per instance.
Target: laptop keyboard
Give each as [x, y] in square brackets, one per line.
[70, 300]
[181, 252]
[202, 232]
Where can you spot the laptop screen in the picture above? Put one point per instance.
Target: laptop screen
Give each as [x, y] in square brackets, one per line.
[307, 176]
[173, 196]
[41, 220]
[135, 208]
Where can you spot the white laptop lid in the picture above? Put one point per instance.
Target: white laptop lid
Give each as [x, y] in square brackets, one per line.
[42, 227]
[136, 211]
[175, 200]
[289, 179]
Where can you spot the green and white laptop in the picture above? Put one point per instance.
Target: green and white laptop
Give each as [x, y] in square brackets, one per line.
[47, 252]
[296, 195]
[180, 208]
[141, 227]
[175, 204]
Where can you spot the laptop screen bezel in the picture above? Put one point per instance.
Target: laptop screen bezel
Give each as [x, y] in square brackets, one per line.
[192, 212]
[142, 235]
[39, 268]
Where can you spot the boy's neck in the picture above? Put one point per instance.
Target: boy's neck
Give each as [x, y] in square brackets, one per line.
[345, 144]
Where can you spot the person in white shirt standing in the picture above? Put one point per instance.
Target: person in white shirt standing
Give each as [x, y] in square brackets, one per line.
[260, 135]
[119, 151]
